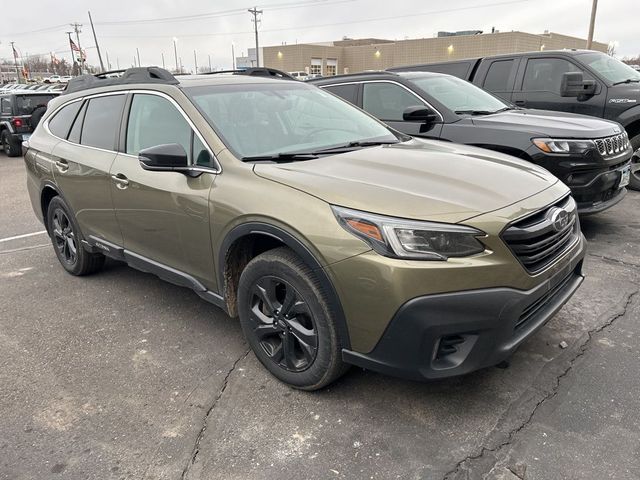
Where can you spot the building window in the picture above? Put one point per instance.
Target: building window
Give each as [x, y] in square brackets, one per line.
[332, 66]
[316, 66]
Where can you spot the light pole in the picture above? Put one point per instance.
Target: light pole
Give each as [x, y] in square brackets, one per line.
[175, 51]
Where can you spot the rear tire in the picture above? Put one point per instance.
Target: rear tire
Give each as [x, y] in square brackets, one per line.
[288, 322]
[67, 241]
[9, 147]
[634, 180]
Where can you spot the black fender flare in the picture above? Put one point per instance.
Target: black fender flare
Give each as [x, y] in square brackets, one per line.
[260, 228]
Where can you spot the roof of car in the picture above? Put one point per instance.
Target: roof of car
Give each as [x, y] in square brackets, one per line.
[369, 76]
[159, 76]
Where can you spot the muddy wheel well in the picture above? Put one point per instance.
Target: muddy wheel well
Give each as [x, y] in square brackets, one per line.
[241, 252]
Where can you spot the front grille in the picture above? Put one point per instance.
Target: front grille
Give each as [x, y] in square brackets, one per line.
[610, 146]
[539, 239]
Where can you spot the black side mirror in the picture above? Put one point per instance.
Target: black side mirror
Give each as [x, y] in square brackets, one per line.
[573, 84]
[419, 113]
[169, 157]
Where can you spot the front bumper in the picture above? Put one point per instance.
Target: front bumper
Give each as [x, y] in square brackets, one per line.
[444, 335]
[593, 180]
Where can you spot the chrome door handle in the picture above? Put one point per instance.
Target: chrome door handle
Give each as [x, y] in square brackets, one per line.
[121, 181]
[62, 165]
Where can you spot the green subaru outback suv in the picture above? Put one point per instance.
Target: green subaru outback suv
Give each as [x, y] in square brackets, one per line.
[336, 240]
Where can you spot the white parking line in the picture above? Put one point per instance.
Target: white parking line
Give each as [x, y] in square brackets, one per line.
[17, 237]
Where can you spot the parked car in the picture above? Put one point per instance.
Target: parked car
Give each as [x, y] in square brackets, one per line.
[20, 113]
[53, 79]
[576, 81]
[336, 240]
[65, 78]
[299, 75]
[588, 154]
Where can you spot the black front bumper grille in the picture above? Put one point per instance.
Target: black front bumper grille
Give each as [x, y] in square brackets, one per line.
[539, 239]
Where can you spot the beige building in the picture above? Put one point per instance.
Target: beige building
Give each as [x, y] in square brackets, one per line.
[352, 56]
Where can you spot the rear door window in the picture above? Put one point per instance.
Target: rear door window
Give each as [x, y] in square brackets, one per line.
[102, 121]
[61, 122]
[497, 79]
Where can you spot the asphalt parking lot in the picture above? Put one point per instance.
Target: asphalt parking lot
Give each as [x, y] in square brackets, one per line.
[120, 375]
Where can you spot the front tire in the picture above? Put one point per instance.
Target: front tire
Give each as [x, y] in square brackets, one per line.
[66, 239]
[634, 180]
[288, 322]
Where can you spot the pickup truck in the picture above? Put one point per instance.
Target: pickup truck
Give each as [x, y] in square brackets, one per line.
[575, 81]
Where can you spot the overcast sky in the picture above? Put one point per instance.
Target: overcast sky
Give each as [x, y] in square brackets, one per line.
[212, 26]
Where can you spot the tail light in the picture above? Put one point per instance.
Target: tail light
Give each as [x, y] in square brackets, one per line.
[17, 122]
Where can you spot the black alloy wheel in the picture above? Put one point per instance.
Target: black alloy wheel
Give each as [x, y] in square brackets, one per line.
[64, 237]
[283, 324]
[288, 321]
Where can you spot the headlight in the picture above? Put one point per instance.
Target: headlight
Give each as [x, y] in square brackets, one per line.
[550, 145]
[395, 237]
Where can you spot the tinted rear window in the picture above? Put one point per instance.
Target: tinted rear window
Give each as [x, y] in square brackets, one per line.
[61, 122]
[102, 121]
[26, 104]
[498, 76]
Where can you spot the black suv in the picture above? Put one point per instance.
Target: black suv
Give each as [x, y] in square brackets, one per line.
[577, 81]
[20, 113]
[590, 155]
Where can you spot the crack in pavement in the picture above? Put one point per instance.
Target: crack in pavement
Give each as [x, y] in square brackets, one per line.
[196, 447]
[614, 260]
[581, 350]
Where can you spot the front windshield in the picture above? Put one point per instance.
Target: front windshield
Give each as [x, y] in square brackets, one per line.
[272, 118]
[458, 95]
[611, 69]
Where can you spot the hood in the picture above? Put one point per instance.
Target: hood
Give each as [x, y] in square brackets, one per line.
[549, 124]
[418, 179]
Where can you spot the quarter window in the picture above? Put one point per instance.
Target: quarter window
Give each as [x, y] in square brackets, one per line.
[545, 74]
[102, 121]
[60, 124]
[498, 76]
[388, 101]
[6, 106]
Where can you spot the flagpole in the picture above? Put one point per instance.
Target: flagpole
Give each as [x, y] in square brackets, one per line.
[73, 60]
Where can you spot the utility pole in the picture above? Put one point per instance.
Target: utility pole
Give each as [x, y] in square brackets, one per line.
[195, 61]
[254, 11]
[138, 55]
[76, 27]
[592, 23]
[15, 59]
[95, 39]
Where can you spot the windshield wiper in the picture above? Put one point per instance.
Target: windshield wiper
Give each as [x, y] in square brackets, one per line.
[290, 156]
[282, 157]
[628, 80]
[352, 145]
[481, 112]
